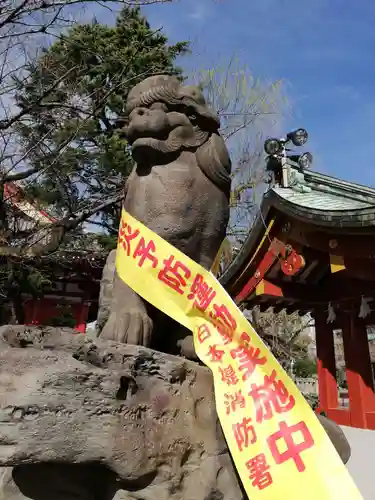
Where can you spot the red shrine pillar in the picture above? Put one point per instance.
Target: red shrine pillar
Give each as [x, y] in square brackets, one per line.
[358, 370]
[35, 316]
[325, 350]
[82, 317]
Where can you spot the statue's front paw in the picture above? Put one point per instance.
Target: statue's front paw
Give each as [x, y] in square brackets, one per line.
[130, 327]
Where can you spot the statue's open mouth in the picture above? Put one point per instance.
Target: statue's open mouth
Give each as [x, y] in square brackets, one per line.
[149, 143]
[139, 135]
[150, 147]
[163, 142]
[144, 141]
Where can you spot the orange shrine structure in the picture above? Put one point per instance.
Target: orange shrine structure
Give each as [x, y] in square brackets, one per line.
[312, 250]
[72, 297]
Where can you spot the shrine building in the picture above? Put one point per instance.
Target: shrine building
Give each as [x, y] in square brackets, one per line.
[72, 298]
[312, 250]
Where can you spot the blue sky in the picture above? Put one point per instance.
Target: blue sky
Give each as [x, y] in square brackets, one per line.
[322, 49]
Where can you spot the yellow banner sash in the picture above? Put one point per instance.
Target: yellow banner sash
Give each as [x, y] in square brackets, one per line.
[277, 444]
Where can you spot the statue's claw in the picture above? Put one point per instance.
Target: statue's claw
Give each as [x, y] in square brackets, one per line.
[131, 327]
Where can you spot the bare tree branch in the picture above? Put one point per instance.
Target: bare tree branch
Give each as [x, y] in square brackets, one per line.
[4, 124]
[250, 109]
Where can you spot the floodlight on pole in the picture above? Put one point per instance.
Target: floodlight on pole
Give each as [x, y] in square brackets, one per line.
[279, 156]
[273, 146]
[298, 137]
[304, 160]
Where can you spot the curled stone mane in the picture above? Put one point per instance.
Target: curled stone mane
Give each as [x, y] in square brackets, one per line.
[211, 152]
[214, 161]
[156, 94]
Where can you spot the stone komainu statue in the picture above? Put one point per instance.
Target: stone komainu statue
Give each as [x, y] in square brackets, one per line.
[179, 189]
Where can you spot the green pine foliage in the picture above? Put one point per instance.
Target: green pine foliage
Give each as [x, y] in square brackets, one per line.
[304, 367]
[71, 102]
[74, 132]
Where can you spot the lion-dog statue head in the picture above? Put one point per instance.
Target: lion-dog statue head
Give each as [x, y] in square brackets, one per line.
[167, 117]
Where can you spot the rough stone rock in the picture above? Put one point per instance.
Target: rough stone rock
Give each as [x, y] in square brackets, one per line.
[96, 420]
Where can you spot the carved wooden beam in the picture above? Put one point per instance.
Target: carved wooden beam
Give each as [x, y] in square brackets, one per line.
[355, 246]
[267, 288]
[291, 263]
[333, 291]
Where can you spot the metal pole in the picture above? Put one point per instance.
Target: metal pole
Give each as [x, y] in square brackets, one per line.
[284, 167]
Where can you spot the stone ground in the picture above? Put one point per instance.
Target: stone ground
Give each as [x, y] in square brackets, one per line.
[361, 465]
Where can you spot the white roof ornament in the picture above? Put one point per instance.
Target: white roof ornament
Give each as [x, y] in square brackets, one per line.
[331, 318]
[365, 309]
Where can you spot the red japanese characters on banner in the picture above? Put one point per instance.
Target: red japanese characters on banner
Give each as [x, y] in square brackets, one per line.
[126, 235]
[271, 397]
[174, 274]
[244, 433]
[233, 401]
[228, 375]
[292, 449]
[145, 251]
[137, 248]
[216, 354]
[203, 333]
[202, 294]
[248, 356]
[259, 471]
[224, 322]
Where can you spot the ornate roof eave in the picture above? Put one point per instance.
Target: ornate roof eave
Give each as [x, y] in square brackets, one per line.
[313, 198]
[344, 218]
[351, 189]
[256, 231]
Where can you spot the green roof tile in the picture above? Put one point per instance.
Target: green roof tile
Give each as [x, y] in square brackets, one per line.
[321, 200]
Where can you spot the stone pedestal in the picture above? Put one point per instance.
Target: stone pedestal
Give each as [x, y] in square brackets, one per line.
[96, 420]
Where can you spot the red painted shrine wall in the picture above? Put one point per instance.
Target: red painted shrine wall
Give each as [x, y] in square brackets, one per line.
[40, 312]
